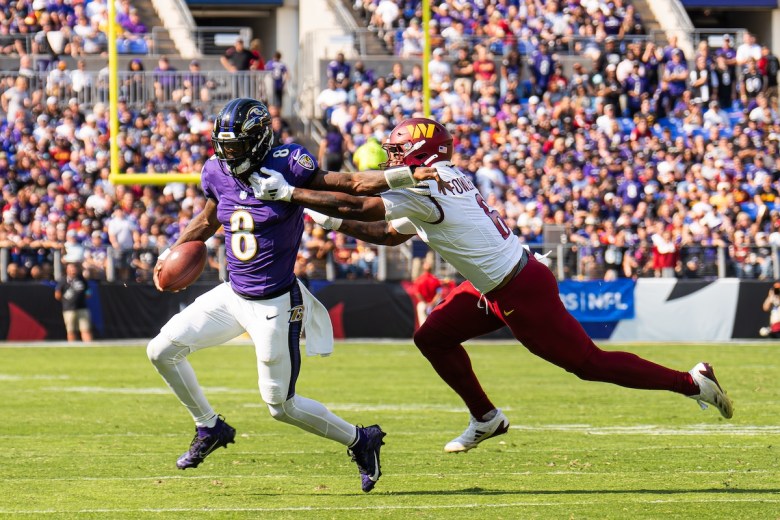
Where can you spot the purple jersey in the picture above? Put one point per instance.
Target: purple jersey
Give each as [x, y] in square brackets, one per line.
[261, 237]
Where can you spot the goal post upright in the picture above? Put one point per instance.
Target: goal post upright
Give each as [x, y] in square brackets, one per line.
[115, 176]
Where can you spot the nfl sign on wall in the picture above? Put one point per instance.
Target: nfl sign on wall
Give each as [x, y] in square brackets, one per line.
[598, 301]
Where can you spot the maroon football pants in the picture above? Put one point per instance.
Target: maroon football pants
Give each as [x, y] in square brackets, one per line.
[530, 306]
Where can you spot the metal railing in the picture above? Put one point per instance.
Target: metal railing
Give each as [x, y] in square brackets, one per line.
[210, 41]
[166, 89]
[714, 37]
[567, 261]
[16, 44]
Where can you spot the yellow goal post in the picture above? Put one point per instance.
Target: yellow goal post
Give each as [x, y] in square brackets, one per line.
[115, 177]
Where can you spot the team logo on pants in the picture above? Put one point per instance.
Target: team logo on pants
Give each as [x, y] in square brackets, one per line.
[296, 314]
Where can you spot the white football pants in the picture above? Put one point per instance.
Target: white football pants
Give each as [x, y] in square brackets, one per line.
[275, 328]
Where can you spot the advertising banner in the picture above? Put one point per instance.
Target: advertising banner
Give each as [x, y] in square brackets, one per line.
[598, 301]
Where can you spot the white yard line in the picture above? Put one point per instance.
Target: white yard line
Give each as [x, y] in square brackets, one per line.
[454, 475]
[640, 499]
[653, 429]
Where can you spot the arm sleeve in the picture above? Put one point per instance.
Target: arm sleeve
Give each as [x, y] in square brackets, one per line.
[403, 203]
[404, 226]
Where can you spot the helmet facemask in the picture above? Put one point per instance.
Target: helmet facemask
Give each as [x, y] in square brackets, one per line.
[243, 155]
[395, 155]
[242, 136]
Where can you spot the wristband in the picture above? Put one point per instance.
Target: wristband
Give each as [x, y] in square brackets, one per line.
[287, 194]
[399, 177]
[335, 223]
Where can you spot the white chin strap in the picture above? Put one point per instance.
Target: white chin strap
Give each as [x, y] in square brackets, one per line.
[430, 159]
[416, 146]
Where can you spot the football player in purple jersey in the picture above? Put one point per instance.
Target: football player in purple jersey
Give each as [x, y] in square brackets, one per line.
[262, 295]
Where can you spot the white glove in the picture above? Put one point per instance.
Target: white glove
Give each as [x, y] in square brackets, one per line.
[271, 187]
[325, 221]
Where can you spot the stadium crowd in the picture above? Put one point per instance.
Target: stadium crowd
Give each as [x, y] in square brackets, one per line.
[53, 28]
[650, 161]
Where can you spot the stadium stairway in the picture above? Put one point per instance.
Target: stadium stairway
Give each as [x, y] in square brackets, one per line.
[649, 21]
[374, 45]
[148, 15]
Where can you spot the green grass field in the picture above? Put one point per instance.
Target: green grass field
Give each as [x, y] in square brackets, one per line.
[94, 433]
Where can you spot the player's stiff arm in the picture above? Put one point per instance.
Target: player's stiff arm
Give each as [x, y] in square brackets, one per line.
[505, 286]
[261, 296]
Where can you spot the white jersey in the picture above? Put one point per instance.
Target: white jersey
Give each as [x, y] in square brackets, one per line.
[458, 224]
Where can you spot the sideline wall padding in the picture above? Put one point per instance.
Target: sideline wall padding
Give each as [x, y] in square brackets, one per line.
[666, 310]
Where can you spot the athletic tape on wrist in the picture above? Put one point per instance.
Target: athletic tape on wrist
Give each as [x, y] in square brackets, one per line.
[399, 177]
[335, 223]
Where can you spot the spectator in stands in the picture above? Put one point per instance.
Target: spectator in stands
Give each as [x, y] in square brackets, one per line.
[369, 155]
[96, 257]
[133, 86]
[88, 38]
[412, 38]
[384, 19]
[749, 50]
[122, 235]
[338, 70]
[329, 98]
[133, 39]
[332, 148]
[769, 66]
[82, 82]
[715, 116]
[279, 76]
[16, 100]
[49, 43]
[58, 81]
[194, 83]
[772, 306]
[166, 85]
[724, 81]
[256, 48]
[73, 293]
[752, 84]
[439, 71]
[317, 249]
[427, 291]
[700, 81]
[237, 58]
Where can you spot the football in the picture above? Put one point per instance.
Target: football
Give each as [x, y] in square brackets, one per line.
[182, 266]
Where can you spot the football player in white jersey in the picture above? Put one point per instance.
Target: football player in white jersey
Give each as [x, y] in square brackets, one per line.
[505, 285]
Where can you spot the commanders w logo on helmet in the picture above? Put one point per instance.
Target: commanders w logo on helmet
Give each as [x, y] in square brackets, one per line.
[418, 141]
[420, 130]
[242, 136]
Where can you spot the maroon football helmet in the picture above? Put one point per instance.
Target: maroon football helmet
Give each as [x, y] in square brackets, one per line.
[418, 141]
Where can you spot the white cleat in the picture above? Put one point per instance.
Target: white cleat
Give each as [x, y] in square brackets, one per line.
[710, 391]
[478, 432]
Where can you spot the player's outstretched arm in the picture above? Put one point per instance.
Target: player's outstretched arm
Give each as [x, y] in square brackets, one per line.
[271, 185]
[380, 233]
[368, 182]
